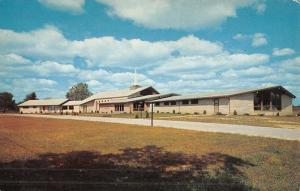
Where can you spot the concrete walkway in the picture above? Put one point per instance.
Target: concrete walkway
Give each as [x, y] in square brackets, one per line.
[279, 133]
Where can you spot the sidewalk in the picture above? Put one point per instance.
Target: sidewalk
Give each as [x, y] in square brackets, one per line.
[279, 133]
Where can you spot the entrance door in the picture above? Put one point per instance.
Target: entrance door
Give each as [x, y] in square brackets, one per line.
[216, 105]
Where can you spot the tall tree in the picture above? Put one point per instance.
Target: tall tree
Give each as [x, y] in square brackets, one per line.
[79, 91]
[7, 102]
[31, 96]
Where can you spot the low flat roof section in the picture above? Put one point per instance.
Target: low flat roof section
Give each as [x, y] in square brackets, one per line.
[44, 102]
[223, 94]
[72, 103]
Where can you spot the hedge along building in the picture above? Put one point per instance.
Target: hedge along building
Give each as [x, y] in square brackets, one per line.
[127, 100]
[268, 100]
[42, 106]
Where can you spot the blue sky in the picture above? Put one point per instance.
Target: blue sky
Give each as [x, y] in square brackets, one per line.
[177, 46]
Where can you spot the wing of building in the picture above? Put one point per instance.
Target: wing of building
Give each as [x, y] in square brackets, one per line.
[125, 100]
[265, 100]
[42, 106]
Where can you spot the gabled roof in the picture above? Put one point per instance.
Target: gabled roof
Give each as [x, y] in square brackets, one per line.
[43, 102]
[116, 93]
[72, 103]
[223, 94]
[143, 98]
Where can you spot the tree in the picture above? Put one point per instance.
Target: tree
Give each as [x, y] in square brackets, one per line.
[79, 91]
[31, 96]
[7, 102]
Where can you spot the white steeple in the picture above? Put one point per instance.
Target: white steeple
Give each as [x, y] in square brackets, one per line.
[135, 78]
[135, 83]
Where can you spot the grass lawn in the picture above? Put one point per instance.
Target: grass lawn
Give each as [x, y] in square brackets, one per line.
[292, 122]
[80, 155]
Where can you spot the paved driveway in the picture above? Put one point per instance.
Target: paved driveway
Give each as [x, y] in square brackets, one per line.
[279, 133]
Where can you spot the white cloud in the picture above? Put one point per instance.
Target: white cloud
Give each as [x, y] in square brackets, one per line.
[283, 51]
[48, 67]
[260, 7]
[259, 39]
[240, 36]
[297, 1]
[175, 66]
[175, 14]
[12, 59]
[50, 44]
[73, 6]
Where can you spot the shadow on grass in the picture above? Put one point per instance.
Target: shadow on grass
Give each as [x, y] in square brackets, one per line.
[147, 168]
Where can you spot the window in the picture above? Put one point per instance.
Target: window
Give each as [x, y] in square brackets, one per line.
[267, 100]
[71, 107]
[276, 101]
[157, 104]
[166, 103]
[173, 102]
[65, 107]
[185, 102]
[194, 101]
[257, 101]
[119, 107]
[25, 107]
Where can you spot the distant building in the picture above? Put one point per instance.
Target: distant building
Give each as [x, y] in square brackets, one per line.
[42, 106]
[268, 100]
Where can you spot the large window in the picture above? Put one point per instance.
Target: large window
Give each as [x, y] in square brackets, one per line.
[65, 107]
[267, 100]
[194, 101]
[157, 104]
[166, 103]
[71, 107]
[185, 102]
[173, 102]
[276, 101]
[119, 107]
[257, 101]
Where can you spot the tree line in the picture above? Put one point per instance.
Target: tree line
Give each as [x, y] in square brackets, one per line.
[77, 92]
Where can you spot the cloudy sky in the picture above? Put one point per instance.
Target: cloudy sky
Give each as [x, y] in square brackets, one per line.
[181, 46]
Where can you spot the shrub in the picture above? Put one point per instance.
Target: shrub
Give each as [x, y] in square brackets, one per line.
[173, 111]
[21, 112]
[277, 114]
[219, 113]
[261, 114]
[298, 114]
[234, 112]
[147, 114]
[136, 116]
[67, 113]
[246, 114]
[196, 113]
[179, 113]
[157, 111]
[187, 113]
[204, 112]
